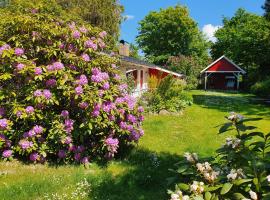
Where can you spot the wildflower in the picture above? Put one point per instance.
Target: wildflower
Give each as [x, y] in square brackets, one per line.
[85, 57]
[108, 106]
[197, 187]
[83, 105]
[51, 83]
[38, 71]
[76, 34]
[19, 51]
[61, 154]
[20, 66]
[234, 143]
[82, 80]
[38, 129]
[77, 156]
[25, 144]
[234, 117]
[65, 113]
[19, 113]
[4, 47]
[68, 125]
[90, 44]
[68, 140]
[112, 145]
[103, 34]
[3, 124]
[106, 86]
[140, 109]
[79, 90]
[58, 66]
[47, 94]
[95, 71]
[85, 160]
[7, 153]
[83, 29]
[236, 174]
[191, 157]
[253, 195]
[38, 93]
[34, 157]
[131, 118]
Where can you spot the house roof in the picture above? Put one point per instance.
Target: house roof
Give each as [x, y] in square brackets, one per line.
[142, 63]
[221, 68]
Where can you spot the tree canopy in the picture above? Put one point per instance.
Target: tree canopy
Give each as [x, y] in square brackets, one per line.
[170, 32]
[266, 7]
[245, 38]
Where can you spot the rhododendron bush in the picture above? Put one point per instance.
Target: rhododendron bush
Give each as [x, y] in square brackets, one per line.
[61, 97]
[240, 170]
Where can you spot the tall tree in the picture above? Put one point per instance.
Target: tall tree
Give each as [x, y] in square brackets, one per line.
[245, 38]
[105, 14]
[266, 7]
[170, 32]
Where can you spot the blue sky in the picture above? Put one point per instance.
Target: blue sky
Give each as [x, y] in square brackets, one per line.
[207, 13]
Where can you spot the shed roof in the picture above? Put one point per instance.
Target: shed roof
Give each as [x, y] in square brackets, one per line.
[223, 64]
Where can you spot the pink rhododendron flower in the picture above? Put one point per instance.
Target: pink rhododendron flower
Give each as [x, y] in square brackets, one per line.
[85, 57]
[7, 153]
[19, 51]
[38, 71]
[76, 34]
[79, 90]
[3, 124]
[20, 66]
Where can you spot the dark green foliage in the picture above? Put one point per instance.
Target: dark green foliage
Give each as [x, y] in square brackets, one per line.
[261, 88]
[245, 38]
[169, 96]
[170, 32]
[266, 7]
[190, 66]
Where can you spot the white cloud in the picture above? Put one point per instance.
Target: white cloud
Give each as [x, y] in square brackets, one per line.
[129, 17]
[209, 31]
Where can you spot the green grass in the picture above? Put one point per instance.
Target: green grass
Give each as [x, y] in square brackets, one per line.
[142, 173]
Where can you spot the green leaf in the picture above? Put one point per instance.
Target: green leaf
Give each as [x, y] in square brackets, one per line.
[213, 188]
[183, 186]
[241, 181]
[207, 196]
[226, 188]
[182, 168]
[238, 196]
[225, 127]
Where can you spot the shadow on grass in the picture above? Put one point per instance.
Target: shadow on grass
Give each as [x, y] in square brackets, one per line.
[145, 177]
[243, 105]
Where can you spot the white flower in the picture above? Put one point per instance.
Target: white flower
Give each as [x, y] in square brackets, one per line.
[235, 117]
[175, 197]
[234, 143]
[192, 158]
[268, 178]
[186, 197]
[197, 187]
[236, 174]
[253, 195]
[200, 167]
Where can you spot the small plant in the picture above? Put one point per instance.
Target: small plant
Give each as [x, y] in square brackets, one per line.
[169, 95]
[240, 170]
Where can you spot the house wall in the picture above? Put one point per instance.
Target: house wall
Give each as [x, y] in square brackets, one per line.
[218, 81]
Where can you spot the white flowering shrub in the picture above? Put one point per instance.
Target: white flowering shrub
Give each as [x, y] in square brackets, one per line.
[240, 170]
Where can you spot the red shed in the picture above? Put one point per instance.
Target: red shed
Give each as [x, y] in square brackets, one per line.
[222, 74]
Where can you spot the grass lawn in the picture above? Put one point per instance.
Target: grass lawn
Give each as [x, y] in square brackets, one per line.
[142, 174]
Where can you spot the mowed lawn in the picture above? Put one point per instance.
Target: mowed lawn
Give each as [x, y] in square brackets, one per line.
[142, 173]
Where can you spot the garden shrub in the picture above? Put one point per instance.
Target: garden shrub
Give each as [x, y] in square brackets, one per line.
[240, 170]
[61, 96]
[169, 95]
[261, 88]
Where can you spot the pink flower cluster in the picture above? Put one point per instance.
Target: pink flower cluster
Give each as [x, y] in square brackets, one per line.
[112, 146]
[56, 66]
[45, 93]
[98, 76]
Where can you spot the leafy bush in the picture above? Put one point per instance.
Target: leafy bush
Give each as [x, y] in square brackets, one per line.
[241, 169]
[261, 88]
[169, 95]
[61, 97]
